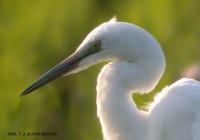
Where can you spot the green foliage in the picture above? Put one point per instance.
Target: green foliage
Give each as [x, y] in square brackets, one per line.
[35, 35]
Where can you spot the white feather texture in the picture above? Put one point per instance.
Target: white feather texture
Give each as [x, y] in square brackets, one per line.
[136, 64]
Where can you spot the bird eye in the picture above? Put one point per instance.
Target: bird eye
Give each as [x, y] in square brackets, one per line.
[95, 48]
[97, 44]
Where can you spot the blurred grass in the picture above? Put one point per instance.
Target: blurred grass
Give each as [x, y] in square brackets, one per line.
[35, 35]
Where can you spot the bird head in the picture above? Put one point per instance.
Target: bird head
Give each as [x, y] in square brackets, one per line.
[111, 40]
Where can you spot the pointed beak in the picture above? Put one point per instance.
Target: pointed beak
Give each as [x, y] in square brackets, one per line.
[62, 68]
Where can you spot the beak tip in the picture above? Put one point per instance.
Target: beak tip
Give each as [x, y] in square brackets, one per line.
[25, 92]
[22, 94]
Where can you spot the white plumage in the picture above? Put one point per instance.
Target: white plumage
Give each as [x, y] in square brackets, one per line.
[136, 64]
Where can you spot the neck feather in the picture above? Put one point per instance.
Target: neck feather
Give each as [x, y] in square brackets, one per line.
[116, 110]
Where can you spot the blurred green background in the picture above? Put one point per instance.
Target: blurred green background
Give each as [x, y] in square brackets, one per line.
[37, 34]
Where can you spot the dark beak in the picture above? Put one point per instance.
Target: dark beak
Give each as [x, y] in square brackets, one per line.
[62, 68]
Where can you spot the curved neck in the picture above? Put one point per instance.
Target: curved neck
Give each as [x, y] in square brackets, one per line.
[119, 116]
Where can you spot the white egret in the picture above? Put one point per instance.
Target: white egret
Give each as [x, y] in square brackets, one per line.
[136, 64]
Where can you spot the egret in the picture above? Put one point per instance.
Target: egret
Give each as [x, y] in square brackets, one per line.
[136, 64]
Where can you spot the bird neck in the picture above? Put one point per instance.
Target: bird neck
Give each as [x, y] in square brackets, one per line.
[118, 114]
